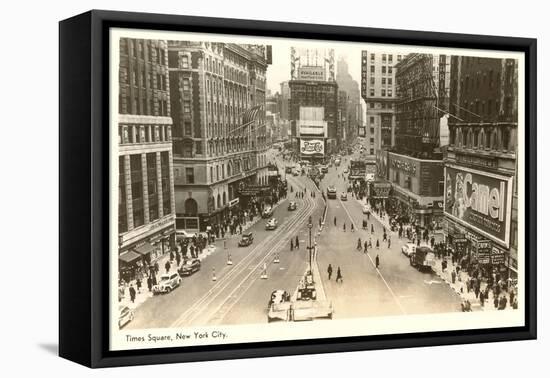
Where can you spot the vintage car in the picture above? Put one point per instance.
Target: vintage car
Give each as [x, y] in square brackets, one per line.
[292, 206]
[246, 239]
[189, 267]
[271, 224]
[408, 249]
[268, 211]
[167, 283]
[366, 209]
[344, 196]
[125, 316]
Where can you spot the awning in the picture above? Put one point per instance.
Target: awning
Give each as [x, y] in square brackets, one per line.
[144, 249]
[129, 256]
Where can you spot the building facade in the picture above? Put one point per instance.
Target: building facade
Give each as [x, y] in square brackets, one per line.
[378, 90]
[353, 110]
[317, 94]
[284, 99]
[219, 135]
[481, 197]
[146, 206]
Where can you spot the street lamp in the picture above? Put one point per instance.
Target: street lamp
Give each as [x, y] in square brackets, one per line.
[310, 226]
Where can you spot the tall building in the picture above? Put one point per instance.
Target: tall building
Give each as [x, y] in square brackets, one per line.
[423, 84]
[220, 139]
[305, 94]
[414, 164]
[379, 93]
[353, 105]
[481, 196]
[146, 206]
[284, 105]
[343, 116]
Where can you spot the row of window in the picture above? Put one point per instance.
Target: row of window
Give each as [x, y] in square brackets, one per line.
[143, 105]
[156, 197]
[144, 134]
[217, 173]
[485, 138]
[379, 105]
[384, 92]
[213, 148]
[137, 49]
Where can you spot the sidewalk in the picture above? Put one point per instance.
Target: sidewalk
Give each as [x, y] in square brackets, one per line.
[145, 294]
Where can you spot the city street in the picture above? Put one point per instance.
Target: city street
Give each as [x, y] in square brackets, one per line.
[239, 294]
[393, 289]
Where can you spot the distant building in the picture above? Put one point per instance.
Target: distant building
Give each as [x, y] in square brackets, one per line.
[218, 98]
[354, 113]
[146, 206]
[284, 101]
[482, 151]
[320, 94]
[379, 93]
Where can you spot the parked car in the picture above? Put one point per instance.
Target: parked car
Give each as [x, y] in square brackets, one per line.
[125, 316]
[271, 224]
[408, 249]
[268, 211]
[292, 206]
[189, 267]
[246, 239]
[167, 283]
[344, 196]
[331, 192]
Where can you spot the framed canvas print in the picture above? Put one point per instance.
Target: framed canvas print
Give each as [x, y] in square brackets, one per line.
[234, 188]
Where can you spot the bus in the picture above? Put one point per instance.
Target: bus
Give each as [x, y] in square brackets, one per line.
[331, 192]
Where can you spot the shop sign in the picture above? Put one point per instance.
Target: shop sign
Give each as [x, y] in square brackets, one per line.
[233, 202]
[253, 190]
[405, 165]
[381, 189]
[312, 147]
[498, 256]
[479, 200]
[483, 251]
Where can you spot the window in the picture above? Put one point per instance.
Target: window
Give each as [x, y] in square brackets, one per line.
[371, 151]
[187, 127]
[185, 84]
[390, 70]
[390, 80]
[152, 187]
[371, 69]
[383, 81]
[184, 62]
[190, 175]
[399, 58]
[122, 216]
[372, 56]
[165, 182]
[136, 175]
[372, 120]
[372, 81]
[390, 92]
[372, 91]
[372, 130]
[198, 148]
[390, 58]
[186, 107]
[383, 69]
[383, 92]
[383, 58]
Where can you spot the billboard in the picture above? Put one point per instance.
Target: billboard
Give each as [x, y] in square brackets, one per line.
[316, 73]
[311, 147]
[358, 169]
[480, 200]
[381, 189]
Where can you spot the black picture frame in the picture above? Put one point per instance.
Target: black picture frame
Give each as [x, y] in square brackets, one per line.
[84, 191]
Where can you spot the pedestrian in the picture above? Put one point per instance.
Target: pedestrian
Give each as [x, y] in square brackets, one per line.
[334, 221]
[132, 293]
[389, 243]
[329, 271]
[495, 301]
[138, 285]
[171, 255]
[481, 299]
[502, 303]
[291, 245]
[365, 247]
[377, 243]
[372, 228]
[149, 283]
[453, 276]
[297, 243]
[167, 266]
[352, 229]
[157, 268]
[359, 244]
[377, 261]
[178, 259]
[339, 277]
[344, 226]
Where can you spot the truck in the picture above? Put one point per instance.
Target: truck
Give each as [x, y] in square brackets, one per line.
[423, 258]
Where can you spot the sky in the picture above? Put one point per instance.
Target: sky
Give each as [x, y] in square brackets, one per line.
[279, 71]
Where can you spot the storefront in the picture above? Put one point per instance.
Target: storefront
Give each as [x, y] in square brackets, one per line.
[144, 245]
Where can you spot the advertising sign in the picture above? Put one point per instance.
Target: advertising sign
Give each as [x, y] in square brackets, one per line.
[497, 256]
[312, 147]
[480, 200]
[358, 169]
[381, 189]
[316, 73]
[483, 252]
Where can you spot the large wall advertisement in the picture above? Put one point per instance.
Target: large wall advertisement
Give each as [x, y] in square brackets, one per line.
[480, 200]
[312, 147]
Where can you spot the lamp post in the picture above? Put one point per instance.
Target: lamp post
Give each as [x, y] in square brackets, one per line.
[310, 226]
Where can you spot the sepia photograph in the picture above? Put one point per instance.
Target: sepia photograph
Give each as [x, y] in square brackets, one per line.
[267, 189]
